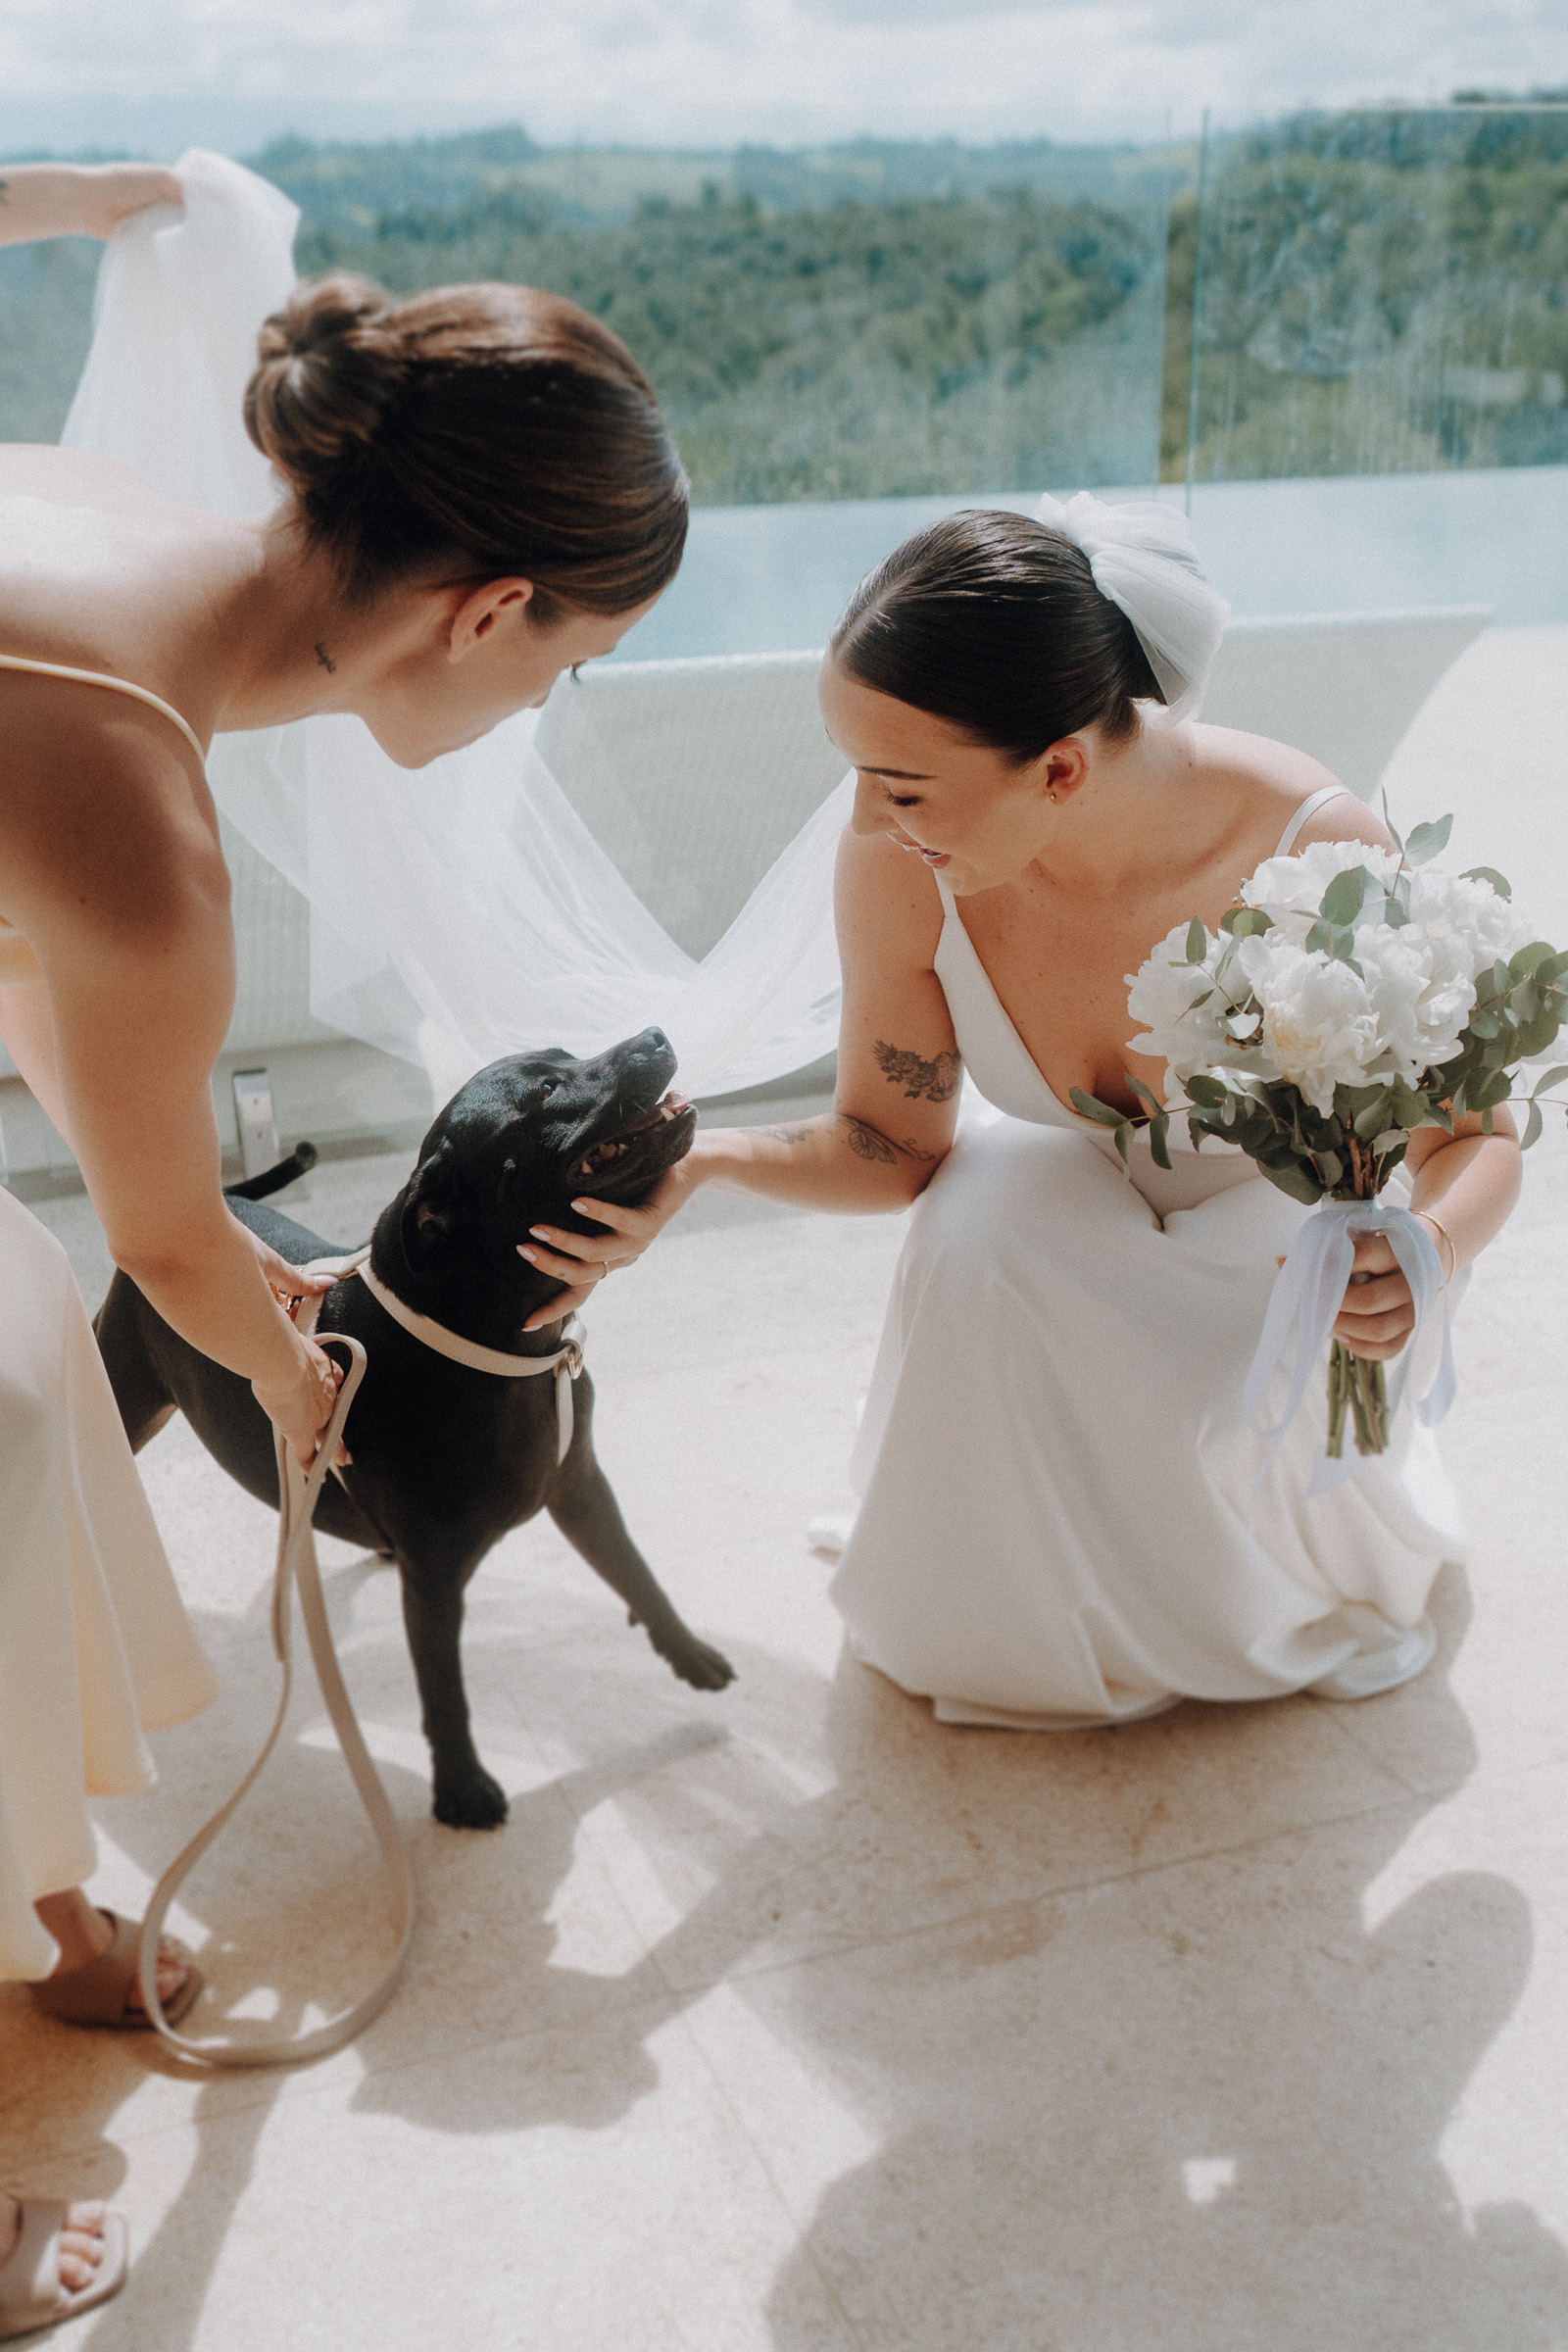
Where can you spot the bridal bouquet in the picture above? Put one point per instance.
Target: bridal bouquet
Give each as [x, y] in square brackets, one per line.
[1353, 996]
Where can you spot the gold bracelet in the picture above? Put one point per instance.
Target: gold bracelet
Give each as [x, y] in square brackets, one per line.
[1453, 1254]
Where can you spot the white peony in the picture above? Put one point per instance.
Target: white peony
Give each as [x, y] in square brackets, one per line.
[1164, 992]
[1320, 1029]
[1289, 890]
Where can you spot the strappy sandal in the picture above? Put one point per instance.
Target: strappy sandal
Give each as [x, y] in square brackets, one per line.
[32, 2295]
[96, 1993]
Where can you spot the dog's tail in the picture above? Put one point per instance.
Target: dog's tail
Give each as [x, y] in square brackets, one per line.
[273, 1180]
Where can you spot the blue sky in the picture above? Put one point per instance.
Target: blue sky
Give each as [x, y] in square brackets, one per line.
[701, 72]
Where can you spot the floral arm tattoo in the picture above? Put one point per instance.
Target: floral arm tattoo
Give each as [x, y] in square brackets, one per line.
[938, 1080]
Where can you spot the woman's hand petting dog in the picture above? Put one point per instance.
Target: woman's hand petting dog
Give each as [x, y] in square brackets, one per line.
[583, 1259]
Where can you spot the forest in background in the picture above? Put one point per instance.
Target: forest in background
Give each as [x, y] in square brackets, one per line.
[1371, 292]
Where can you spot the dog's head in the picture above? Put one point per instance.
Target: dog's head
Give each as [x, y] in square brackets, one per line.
[533, 1133]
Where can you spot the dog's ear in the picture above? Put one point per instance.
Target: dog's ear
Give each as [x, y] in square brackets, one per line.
[431, 1208]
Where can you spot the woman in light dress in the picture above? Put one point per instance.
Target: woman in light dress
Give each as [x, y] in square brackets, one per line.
[1056, 1471]
[483, 492]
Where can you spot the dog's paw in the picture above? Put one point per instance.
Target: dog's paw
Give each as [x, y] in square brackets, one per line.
[475, 1801]
[695, 1662]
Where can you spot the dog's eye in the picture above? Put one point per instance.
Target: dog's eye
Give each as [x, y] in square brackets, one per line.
[550, 1088]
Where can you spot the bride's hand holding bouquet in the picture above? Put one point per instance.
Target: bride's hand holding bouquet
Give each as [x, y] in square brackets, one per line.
[1353, 996]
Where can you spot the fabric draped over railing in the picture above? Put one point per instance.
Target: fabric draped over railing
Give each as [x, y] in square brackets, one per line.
[461, 911]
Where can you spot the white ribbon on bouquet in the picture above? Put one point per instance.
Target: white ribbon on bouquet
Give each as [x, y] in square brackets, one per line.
[1307, 1295]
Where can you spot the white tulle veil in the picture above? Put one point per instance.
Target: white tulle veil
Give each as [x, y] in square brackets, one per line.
[464, 910]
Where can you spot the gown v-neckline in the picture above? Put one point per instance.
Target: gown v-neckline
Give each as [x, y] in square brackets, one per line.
[1007, 1032]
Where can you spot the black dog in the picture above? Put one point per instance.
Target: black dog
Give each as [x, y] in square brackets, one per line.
[445, 1458]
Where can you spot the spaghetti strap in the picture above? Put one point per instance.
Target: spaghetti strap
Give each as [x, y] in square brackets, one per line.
[1307, 810]
[97, 677]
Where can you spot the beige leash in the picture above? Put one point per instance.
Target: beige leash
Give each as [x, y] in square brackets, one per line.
[297, 1565]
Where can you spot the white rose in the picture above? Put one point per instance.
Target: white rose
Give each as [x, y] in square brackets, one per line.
[1319, 1028]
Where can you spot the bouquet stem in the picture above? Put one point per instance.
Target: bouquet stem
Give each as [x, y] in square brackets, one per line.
[1359, 1385]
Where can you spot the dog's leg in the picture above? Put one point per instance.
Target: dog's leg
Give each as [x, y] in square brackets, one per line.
[584, 1508]
[465, 1796]
[144, 1401]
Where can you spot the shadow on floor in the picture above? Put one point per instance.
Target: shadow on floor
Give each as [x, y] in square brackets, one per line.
[1140, 2078]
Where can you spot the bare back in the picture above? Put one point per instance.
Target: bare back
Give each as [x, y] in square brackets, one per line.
[110, 865]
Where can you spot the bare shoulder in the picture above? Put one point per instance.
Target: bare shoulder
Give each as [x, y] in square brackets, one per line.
[72, 478]
[1277, 778]
[886, 902]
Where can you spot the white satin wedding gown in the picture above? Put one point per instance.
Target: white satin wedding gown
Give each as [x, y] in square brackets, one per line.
[1055, 1468]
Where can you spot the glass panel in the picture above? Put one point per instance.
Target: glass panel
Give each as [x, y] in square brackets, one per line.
[1385, 294]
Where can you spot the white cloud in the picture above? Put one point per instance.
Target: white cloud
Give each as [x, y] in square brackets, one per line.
[711, 72]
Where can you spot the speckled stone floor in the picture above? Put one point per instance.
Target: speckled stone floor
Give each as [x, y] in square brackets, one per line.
[790, 2019]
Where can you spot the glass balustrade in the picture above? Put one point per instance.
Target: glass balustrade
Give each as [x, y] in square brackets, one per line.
[1342, 339]
[1377, 359]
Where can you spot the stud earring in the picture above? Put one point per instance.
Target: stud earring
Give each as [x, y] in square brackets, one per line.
[1052, 798]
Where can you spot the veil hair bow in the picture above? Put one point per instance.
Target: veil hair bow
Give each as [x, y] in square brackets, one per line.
[1143, 559]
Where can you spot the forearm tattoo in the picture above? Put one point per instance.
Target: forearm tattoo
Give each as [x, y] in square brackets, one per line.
[865, 1143]
[938, 1080]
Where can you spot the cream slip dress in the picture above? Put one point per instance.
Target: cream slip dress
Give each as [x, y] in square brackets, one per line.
[1054, 1467]
[95, 1648]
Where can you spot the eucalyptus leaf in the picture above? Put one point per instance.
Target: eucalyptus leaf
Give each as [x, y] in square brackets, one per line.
[1319, 940]
[1293, 1178]
[1532, 1126]
[1525, 963]
[1196, 941]
[1347, 894]
[1553, 1078]
[1488, 873]
[1206, 1091]
[1428, 841]
[1331, 1167]
[1369, 1122]
[1395, 914]
[1124, 1137]
[1159, 1150]
[1089, 1108]
[1393, 1138]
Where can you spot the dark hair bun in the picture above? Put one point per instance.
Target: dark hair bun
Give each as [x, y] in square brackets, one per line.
[329, 368]
[483, 430]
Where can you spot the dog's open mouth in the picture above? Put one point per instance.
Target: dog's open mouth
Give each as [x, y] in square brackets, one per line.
[617, 1148]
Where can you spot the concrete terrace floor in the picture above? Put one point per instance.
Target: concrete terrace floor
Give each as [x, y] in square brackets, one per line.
[790, 2019]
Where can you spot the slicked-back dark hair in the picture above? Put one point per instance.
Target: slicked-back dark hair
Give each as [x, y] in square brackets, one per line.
[993, 621]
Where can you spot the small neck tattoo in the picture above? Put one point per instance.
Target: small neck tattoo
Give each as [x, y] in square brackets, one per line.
[326, 660]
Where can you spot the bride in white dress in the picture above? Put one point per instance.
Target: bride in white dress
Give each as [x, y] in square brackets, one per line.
[1055, 1469]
